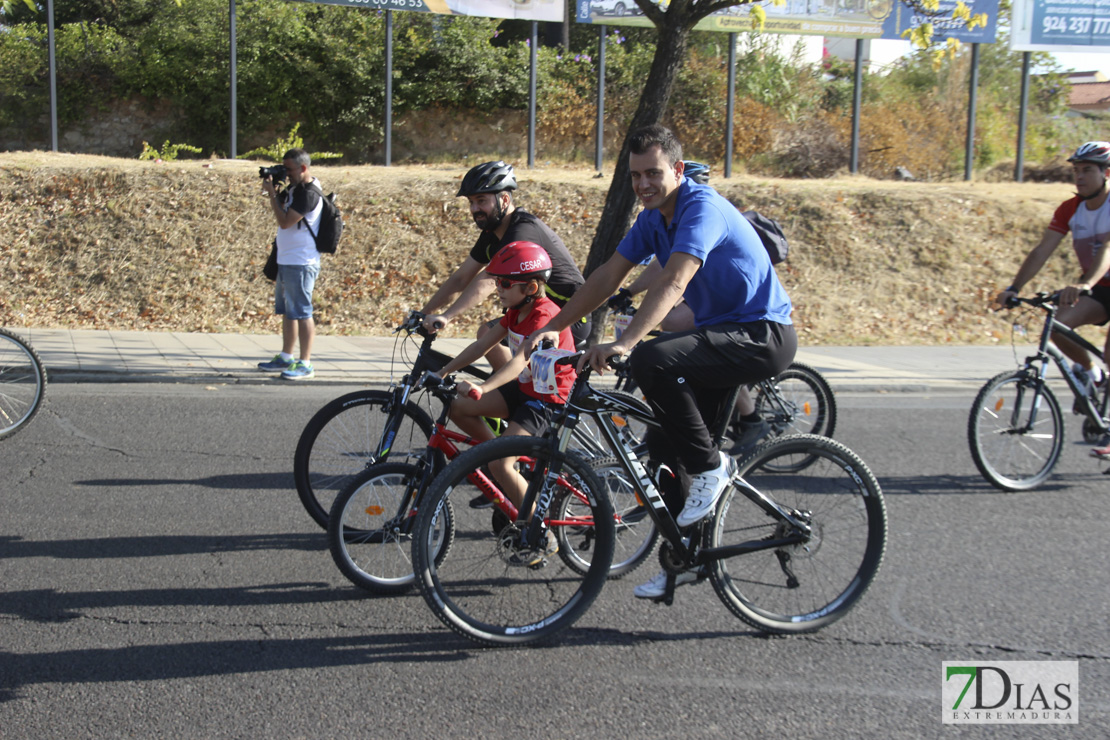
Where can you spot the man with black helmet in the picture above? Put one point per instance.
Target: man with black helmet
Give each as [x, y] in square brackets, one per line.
[488, 187]
[1087, 216]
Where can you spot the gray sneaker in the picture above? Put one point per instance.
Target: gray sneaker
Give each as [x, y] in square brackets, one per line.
[748, 435]
[299, 370]
[276, 365]
[657, 586]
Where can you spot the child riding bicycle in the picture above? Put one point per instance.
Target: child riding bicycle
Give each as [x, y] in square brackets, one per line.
[520, 271]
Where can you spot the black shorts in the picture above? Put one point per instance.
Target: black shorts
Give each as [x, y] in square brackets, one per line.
[1101, 293]
[531, 413]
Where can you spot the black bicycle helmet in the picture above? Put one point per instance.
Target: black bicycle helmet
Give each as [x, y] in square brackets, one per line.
[1096, 152]
[490, 177]
[696, 171]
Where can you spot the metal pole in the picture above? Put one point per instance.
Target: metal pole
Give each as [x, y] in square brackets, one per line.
[532, 97]
[1019, 168]
[53, 76]
[234, 73]
[969, 156]
[388, 87]
[730, 105]
[600, 97]
[857, 103]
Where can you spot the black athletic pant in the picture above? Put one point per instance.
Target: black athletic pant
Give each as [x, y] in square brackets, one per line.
[687, 377]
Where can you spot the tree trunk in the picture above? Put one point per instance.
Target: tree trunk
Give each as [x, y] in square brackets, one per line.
[616, 217]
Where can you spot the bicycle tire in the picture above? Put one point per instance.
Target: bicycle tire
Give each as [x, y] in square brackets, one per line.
[1010, 453]
[22, 383]
[477, 591]
[370, 528]
[807, 586]
[635, 533]
[339, 442]
[804, 404]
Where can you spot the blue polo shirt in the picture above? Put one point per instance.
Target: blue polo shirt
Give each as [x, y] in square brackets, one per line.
[736, 281]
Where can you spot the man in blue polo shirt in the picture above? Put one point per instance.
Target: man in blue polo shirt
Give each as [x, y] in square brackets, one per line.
[713, 258]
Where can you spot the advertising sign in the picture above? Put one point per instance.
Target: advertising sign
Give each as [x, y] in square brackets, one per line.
[1061, 25]
[530, 10]
[945, 26]
[860, 19]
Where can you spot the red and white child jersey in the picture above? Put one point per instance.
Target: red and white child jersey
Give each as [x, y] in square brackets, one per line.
[542, 311]
[1090, 230]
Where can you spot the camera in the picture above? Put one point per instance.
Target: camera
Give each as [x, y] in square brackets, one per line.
[277, 172]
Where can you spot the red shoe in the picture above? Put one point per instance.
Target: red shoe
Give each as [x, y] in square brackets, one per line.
[1102, 453]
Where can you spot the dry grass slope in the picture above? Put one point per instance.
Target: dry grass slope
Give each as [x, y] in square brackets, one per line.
[97, 243]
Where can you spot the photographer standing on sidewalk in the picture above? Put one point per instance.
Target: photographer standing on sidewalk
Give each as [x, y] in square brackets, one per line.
[297, 209]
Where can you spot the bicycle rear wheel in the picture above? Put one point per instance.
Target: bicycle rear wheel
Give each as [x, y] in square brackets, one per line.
[806, 586]
[798, 401]
[635, 533]
[342, 439]
[370, 528]
[1011, 449]
[492, 590]
[22, 383]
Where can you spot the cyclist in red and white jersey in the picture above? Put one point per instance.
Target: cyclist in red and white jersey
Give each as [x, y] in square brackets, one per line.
[1087, 217]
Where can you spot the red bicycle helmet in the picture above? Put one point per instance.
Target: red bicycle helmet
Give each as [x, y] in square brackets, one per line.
[521, 261]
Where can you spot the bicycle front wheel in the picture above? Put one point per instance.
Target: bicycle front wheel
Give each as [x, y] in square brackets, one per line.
[370, 528]
[492, 589]
[22, 383]
[797, 401]
[810, 584]
[1015, 431]
[344, 438]
[635, 532]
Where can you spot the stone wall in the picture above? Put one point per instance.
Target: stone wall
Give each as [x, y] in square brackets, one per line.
[428, 135]
[117, 131]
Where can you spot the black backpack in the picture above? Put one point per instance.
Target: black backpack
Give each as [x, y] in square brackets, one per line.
[331, 224]
[770, 233]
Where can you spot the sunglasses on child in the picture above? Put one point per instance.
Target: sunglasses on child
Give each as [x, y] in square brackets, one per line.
[505, 283]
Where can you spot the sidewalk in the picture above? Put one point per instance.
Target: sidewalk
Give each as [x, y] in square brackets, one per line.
[173, 357]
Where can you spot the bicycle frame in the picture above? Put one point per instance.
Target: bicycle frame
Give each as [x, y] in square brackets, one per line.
[599, 405]
[1046, 351]
[427, 360]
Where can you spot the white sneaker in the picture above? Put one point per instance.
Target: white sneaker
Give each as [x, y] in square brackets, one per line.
[657, 586]
[705, 489]
[1089, 379]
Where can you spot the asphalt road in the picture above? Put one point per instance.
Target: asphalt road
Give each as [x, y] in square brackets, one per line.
[158, 578]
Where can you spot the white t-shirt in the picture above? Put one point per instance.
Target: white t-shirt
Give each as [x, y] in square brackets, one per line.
[295, 244]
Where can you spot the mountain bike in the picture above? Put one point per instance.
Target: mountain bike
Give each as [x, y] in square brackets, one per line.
[370, 523]
[796, 401]
[1016, 429]
[22, 383]
[812, 540]
[367, 427]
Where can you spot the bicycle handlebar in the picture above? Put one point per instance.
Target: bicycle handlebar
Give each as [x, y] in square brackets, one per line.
[1039, 300]
[621, 302]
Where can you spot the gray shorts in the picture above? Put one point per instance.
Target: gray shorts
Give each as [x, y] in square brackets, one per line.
[293, 290]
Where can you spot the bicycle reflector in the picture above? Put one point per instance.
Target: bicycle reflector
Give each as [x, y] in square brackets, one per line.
[374, 510]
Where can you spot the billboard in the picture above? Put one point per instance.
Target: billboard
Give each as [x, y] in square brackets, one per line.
[1061, 25]
[859, 19]
[851, 18]
[945, 26]
[530, 10]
